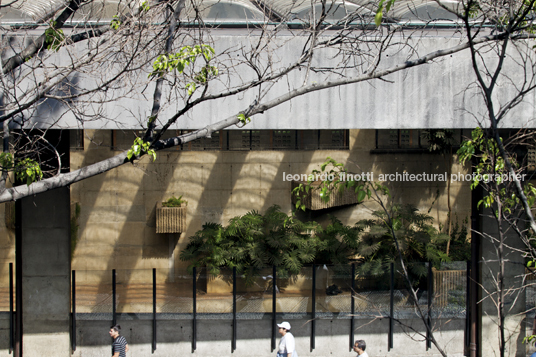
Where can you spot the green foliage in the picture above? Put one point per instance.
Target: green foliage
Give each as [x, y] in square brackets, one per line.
[144, 7]
[54, 37]
[6, 161]
[139, 148]
[491, 170]
[418, 239]
[205, 73]
[473, 9]
[174, 202]
[191, 87]
[383, 5]
[253, 241]
[115, 23]
[28, 170]
[185, 57]
[242, 119]
[338, 243]
[332, 177]
[530, 339]
[460, 245]
[439, 140]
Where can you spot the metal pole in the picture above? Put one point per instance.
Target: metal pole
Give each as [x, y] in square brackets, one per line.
[476, 195]
[73, 318]
[233, 342]
[114, 318]
[467, 332]
[11, 315]
[274, 312]
[313, 312]
[429, 317]
[352, 308]
[194, 311]
[18, 279]
[391, 308]
[154, 309]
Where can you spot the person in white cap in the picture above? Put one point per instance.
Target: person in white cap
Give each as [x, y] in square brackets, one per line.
[287, 346]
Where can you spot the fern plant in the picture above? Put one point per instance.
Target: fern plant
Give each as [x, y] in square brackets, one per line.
[338, 243]
[175, 202]
[418, 239]
[253, 241]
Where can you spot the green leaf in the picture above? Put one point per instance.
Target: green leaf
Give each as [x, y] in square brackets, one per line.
[379, 14]
[242, 119]
[361, 195]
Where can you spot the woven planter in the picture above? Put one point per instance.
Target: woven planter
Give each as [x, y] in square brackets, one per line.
[170, 219]
[314, 202]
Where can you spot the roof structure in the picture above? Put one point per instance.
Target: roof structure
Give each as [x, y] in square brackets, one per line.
[245, 11]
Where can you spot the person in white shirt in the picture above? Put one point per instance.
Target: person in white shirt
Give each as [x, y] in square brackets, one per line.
[359, 348]
[287, 345]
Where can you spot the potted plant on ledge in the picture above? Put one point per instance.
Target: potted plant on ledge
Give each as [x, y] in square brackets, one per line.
[171, 215]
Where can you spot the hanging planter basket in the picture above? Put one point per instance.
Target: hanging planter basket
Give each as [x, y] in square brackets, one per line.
[170, 219]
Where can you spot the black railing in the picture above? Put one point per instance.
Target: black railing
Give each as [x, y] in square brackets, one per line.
[11, 312]
[73, 307]
[154, 310]
[356, 290]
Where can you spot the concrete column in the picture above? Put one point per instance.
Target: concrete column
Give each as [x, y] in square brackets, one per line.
[45, 248]
[515, 302]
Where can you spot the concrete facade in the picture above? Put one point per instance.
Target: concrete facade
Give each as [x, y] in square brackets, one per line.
[116, 230]
[117, 209]
[46, 278]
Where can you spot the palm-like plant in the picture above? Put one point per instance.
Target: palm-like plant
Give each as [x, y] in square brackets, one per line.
[417, 239]
[253, 241]
[338, 243]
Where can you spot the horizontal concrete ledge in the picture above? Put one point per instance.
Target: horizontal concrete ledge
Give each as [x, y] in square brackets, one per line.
[253, 316]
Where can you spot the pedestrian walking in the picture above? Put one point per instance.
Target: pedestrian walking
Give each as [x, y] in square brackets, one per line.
[287, 345]
[359, 348]
[119, 345]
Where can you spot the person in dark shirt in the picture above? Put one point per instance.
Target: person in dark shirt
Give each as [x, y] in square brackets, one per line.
[120, 345]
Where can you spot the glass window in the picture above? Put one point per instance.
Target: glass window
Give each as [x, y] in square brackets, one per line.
[76, 138]
[284, 139]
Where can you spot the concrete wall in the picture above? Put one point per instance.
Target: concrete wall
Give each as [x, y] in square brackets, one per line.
[46, 273]
[514, 297]
[254, 338]
[117, 220]
[438, 95]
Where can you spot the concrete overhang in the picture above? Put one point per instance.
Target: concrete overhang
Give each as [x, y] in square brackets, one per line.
[438, 94]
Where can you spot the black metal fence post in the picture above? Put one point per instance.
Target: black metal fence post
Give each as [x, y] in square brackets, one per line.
[467, 332]
[114, 317]
[11, 314]
[391, 309]
[274, 309]
[313, 312]
[429, 315]
[194, 310]
[73, 303]
[352, 307]
[154, 309]
[233, 344]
